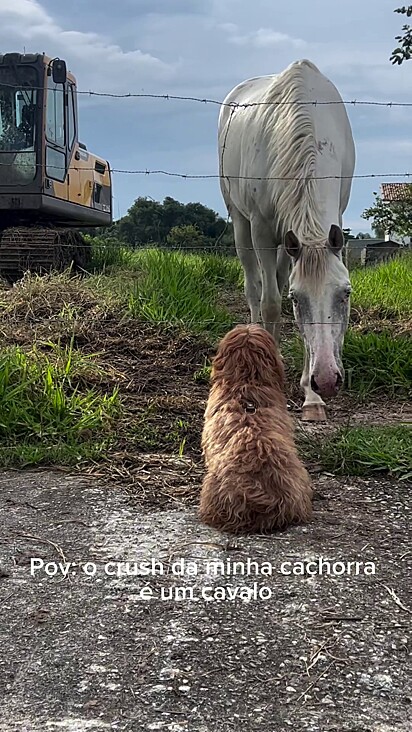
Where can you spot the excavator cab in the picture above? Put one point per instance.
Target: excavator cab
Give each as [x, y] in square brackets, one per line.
[50, 185]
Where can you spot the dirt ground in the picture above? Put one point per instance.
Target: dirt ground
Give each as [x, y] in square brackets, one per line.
[314, 651]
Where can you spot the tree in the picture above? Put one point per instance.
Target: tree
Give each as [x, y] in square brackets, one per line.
[394, 217]
[347, 234]
[143, 223]
[186, 237]
[362, 235]
[149, 221]
[404, 51]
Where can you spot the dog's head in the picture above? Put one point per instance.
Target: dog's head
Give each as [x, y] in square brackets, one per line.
[248, 353]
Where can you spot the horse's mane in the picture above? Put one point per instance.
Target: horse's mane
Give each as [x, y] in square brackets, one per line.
[292, 154]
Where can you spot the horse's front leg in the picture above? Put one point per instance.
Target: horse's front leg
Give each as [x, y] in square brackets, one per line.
[313, 409]
[283, 266]
[266, 252]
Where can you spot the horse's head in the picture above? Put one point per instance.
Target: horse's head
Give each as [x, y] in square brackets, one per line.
[319, 288]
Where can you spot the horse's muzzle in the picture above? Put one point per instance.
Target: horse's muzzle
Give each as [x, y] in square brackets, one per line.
[326, 387]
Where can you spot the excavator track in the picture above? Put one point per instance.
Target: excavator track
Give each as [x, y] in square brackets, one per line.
[40, 250]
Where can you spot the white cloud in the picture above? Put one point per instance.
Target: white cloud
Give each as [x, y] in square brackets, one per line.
[264, 38]
[102, 64]
[29, 11]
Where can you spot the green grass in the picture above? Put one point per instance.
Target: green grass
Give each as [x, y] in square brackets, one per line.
[46, 408]
[384, 288]
[172, 290]
[218, 269]
[363, 451]
[202, 375]
[49, 414]
[378, 362]
[161, 286]
[215, 269]
[374, 362]
[28, 454]
[107, 254]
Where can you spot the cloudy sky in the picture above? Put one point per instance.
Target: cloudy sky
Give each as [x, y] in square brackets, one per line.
[203, 48]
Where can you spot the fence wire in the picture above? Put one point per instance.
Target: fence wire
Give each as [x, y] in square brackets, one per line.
[208, 176]
[199, 248]
[222, 103]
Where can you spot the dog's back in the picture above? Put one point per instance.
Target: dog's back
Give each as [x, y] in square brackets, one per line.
[255, 480]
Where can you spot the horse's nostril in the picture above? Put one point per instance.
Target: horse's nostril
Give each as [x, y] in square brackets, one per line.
[314, 385]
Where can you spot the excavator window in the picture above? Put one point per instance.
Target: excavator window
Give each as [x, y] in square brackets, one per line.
[17, 119]
[71, 118]
[55, 113]
[55, 131]
[18, 125]
[55, 163]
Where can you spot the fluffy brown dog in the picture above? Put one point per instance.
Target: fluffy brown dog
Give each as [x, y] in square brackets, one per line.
[255, 481]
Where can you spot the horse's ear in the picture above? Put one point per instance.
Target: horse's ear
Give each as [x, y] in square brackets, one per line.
[336, 239]
[293, 245]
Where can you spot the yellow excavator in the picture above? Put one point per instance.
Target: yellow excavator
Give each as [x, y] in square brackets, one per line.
[50, 185]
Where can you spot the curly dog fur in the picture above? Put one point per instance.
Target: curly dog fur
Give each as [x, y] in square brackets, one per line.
[255, 481]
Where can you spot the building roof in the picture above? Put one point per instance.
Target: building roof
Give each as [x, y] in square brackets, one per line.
[381, 243]
[362, 243]
[395, 191]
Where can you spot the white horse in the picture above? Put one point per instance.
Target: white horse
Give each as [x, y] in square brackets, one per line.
[286, 173]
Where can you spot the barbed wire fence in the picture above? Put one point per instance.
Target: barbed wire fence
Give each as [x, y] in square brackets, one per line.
[216, 176]
[234, 106]
[229, 178]
[221, 103]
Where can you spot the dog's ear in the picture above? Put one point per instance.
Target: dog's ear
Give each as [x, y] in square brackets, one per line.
[225, 362]
[269, 360]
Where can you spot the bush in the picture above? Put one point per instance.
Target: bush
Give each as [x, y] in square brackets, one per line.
[186, 237]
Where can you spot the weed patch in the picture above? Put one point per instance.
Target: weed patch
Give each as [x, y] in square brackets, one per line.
[108, 254]
[45, 409]
[384, 290]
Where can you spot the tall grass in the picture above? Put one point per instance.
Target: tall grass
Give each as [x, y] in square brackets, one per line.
[384, 288]
[175, 288]
[218, 269]
[378, 362]
[45, 405]
[363, 450]
[107, 254]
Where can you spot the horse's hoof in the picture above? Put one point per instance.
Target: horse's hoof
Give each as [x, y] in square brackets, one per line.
[314, 413]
